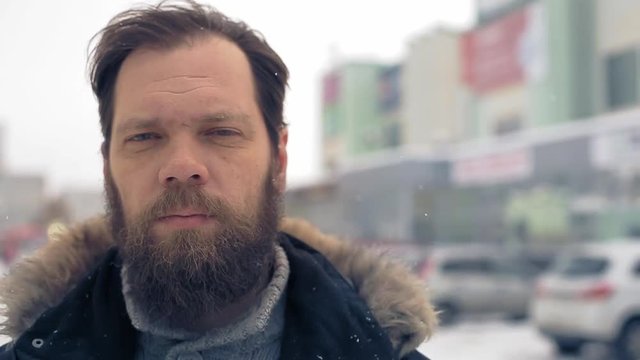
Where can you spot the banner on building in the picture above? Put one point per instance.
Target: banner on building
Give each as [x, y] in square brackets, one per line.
[507, 51]
[496, 168]
[331, 88]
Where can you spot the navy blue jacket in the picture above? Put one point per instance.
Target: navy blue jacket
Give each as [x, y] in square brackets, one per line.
[324, 319]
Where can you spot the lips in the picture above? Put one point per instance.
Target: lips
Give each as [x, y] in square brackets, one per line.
[185, 219]
[181, 216]
[184, 213]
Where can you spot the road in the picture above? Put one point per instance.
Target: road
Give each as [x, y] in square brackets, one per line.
[498, 340]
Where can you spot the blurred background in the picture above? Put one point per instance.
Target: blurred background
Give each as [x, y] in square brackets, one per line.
[493, 146]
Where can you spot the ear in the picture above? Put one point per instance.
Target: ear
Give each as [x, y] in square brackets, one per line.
[281, 171]
[104, 150]
[105, 159]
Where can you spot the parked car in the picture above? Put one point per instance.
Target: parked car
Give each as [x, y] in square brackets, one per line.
[468, 280]
[592, 295]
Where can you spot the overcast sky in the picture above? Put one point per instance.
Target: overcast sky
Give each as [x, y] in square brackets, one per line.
[49, 116]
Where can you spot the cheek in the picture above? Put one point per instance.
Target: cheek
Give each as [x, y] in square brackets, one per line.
[133, 192]
[248, 185]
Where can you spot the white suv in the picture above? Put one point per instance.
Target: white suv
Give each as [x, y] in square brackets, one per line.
[592, 295]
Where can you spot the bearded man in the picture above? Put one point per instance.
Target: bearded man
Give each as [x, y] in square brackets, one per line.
[194, 259]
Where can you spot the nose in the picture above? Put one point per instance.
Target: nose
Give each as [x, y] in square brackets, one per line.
[184, 167]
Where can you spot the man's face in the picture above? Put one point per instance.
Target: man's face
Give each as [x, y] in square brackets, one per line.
[189, 116]
[192, 184]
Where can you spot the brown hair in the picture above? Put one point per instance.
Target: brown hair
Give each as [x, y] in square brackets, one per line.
[166, 25]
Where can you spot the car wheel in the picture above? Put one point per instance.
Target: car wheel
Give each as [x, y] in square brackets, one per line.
[447, 313]
[567, 347]
[517, 317]
[628, 343]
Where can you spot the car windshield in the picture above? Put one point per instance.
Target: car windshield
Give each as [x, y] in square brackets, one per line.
[467, 266]
[582, 266]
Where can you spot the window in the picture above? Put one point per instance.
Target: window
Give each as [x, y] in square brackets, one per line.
[583, 266]
[636, 269]
[508, 125]
[622, 79]
[468, 266]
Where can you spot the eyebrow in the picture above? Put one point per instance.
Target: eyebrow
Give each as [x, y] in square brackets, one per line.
[213, 118]
[224, 116]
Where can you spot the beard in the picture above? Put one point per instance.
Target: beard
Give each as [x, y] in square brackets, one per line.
[178, 278]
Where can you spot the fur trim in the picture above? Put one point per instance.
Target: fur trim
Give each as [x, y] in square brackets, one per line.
[397, 298]
[41, 280]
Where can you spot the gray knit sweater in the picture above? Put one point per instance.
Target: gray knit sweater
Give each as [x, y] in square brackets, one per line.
[256, 336]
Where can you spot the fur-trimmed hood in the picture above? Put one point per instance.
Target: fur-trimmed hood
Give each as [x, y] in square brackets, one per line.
[398, 299]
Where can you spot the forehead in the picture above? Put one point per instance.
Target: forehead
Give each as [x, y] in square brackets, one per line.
[211, 66]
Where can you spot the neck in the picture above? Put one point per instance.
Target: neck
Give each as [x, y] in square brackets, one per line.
[228, 314]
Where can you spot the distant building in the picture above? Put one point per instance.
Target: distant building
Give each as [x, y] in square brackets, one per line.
[22, 198]
[2, 150]
[532, 66]
[489, 10]
[432, 96]
[618, 54]
[354, 121]
[523, 131]
[82, 204]
[386, 197]
[390, 103]
[318, 202]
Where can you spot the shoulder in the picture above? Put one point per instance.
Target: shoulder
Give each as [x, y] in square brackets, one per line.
[397, 299]
[42, 280]
[6, 352]
[415, 355]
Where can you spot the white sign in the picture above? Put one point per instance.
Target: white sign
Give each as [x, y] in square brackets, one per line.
[494, 168]
[533, 50]
[617, 148]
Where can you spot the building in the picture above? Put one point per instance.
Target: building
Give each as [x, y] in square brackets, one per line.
[532, 66]
[489, 10]
[432, 97]
[617, 59]
[2, 150]
[523, 131]
[82, 204]
[21, 199]
[354, 121]
[390, 104]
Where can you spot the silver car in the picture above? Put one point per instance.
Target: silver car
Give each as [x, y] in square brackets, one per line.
[466, 280]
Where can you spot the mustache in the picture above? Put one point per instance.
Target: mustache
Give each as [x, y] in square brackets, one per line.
[186, 196]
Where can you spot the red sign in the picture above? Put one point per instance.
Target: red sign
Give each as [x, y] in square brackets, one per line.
[491, 54]
[331, 88]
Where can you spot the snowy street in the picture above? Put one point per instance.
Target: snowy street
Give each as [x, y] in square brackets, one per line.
[498, 340]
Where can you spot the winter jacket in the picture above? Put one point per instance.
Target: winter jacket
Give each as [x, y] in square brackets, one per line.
[66, 302]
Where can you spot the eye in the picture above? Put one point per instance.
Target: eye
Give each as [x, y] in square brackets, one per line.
[142, 137]
[223, 132]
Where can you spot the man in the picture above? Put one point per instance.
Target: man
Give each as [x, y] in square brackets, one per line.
[194, 260]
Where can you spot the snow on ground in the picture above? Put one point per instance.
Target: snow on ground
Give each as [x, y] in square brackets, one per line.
[488, 340]
[498, 340]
